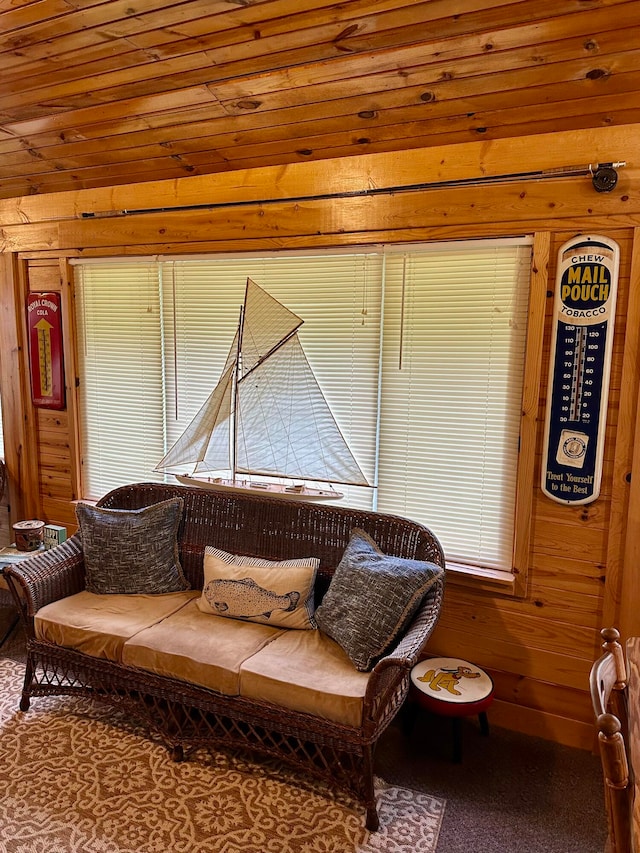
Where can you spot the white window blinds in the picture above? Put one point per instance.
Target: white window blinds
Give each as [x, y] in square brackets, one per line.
[166, 329]
[419, 352]
[337, 295]
[121, 367]
[453, 366]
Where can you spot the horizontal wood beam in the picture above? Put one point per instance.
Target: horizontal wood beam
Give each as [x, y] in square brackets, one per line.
[519, 204]
[348, 174]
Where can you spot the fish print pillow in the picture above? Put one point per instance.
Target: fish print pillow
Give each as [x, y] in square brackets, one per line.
[257, 590]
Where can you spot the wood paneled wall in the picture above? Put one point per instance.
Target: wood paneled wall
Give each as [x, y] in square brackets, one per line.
[581, 575]
[5, 528]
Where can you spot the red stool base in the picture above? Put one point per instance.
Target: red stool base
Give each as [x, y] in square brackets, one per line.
[453, 688]
[449, 709]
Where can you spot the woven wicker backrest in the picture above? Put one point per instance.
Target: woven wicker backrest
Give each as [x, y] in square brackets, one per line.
[275, 529]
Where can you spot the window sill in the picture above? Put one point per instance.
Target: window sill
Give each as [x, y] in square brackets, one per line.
[487, 580]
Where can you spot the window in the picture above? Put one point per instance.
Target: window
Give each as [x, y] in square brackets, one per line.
[201, 311]
[419, 351]
[121, 363]
[152, 341]
[452, 373]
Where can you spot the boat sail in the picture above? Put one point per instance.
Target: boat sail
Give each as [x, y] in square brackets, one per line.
[267, 416]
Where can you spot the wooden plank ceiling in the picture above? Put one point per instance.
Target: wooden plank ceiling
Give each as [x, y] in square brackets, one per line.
[96, 93]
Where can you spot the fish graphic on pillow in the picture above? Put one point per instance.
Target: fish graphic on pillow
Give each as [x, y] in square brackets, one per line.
[245, 599]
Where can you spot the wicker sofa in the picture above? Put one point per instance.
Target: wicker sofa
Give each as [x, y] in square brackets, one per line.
[322, 716]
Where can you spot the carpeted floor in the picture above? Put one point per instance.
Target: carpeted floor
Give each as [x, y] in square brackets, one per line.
[511, 794]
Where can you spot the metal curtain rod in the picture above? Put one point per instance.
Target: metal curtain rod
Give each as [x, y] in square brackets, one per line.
[603, 176]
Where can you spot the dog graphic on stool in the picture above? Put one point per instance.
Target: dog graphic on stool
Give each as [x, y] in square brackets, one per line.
[447, 679]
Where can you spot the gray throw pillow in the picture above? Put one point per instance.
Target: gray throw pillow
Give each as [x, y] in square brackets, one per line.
[371, 598]
[132, 551]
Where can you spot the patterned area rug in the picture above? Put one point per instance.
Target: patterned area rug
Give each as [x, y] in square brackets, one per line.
[75, 778]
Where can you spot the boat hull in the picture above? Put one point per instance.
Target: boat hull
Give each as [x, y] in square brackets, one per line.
[273, 490]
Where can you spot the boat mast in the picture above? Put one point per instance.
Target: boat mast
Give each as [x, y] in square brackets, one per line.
[234, 392]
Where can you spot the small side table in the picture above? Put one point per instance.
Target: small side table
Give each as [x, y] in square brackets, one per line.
[454, 688]
[8, 557]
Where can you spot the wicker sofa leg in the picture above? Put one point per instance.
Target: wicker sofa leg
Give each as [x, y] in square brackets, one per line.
[25, 699]
[372, 822]
[177, 753]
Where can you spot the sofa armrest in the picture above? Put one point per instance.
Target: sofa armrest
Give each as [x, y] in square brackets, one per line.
[47, 576]
[389, 682]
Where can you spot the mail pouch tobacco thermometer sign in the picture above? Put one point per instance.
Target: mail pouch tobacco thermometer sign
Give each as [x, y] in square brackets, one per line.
[583, 320]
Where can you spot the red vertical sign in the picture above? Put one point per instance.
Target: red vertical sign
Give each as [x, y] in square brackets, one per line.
[45, 350]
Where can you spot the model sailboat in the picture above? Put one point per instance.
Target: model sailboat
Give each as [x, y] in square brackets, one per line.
[266, 416]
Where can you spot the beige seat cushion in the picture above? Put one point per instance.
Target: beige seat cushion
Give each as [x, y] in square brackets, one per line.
[99, 625]
[306, 671]
[199, 648]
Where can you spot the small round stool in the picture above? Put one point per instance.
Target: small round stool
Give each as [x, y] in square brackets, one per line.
[453, 688]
